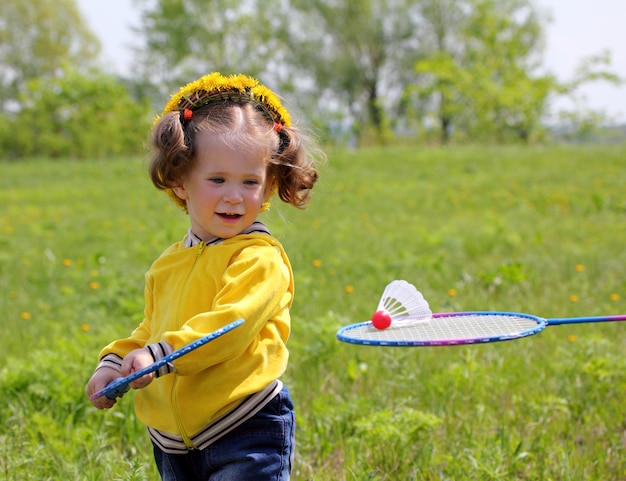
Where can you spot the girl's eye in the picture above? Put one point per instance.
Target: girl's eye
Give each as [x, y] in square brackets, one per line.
[217, 180]
[251, 182]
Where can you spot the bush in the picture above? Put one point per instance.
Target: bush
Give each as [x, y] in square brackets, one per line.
[75, 115]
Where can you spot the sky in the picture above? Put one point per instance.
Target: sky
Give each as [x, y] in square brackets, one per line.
[579, 29]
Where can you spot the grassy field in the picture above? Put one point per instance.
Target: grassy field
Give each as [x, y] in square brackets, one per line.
[539, 230]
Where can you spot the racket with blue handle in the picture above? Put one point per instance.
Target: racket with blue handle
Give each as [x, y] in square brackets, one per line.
[456, 328]
[121, 385]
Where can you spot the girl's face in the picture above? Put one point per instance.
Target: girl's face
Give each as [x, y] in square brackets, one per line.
[224, 189]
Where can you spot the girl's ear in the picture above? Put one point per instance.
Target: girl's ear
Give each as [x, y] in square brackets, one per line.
[180, 191]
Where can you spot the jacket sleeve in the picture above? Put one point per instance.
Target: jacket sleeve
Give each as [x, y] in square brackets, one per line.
[257, 286]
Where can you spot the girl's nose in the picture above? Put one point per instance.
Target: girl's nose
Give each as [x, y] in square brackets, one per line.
[233, 196]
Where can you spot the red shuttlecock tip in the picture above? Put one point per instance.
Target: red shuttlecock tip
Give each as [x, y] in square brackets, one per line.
[381, 320]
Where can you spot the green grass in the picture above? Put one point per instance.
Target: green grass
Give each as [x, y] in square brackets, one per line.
[537, 230]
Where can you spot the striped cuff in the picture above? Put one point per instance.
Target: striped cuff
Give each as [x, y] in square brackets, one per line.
[158, 351]
[110, 360]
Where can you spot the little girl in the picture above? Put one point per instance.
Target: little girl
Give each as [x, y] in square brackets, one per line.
[221, 149]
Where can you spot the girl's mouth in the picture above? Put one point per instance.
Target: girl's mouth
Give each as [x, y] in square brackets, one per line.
[227, 216]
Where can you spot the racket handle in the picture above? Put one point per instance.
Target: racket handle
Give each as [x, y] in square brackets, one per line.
[582, 320]
[116, 388]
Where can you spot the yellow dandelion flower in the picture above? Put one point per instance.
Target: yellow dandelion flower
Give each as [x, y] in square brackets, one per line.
[25, 315]
[452, 292]
[94, 285]
[349, 289]
[579, 268]
[67, 262]
[317, 263]
[573, 298]
[614, 297]
[85, 327]
[216, 86]
[571, 338]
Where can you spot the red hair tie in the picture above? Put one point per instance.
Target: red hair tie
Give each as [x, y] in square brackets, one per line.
[278, 127]
[187, 114]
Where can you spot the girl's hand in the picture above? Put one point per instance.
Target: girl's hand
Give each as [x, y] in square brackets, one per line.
[134, 361]
[99, 380]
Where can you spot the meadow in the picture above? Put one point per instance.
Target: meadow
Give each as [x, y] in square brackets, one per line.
[538, 229]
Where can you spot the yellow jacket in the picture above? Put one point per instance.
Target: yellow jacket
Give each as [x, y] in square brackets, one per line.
[191, 291]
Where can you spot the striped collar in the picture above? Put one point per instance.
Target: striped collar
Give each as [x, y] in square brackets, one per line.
[192, 239]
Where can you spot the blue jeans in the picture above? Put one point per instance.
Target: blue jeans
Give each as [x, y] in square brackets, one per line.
[260, 449]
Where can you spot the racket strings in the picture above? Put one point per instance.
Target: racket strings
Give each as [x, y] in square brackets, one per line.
[448, 329]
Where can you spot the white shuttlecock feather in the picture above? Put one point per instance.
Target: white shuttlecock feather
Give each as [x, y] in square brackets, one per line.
[401, 304]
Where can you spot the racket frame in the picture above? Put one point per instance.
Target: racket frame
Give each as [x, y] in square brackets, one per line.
[541, 324]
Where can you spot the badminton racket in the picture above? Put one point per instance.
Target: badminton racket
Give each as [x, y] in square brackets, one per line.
[121, 384]
[455, 328]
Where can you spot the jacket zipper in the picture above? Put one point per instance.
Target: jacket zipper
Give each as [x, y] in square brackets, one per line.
[186, 439]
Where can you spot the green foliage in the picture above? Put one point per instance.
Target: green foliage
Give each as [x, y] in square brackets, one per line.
[348, 52]
[536, 230]
[481, 81]
[36, 37]
[361, 72]
[186, 39]
[487, 89]
[76, 115]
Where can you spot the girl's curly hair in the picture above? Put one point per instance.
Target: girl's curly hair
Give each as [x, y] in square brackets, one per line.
[291, 168]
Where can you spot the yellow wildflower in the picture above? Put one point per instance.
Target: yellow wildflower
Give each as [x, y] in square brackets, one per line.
[237, 87]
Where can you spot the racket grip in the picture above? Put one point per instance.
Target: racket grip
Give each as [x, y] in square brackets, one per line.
[118, 391]
[114, 389]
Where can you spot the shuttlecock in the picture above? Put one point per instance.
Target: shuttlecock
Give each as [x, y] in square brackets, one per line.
[401, 303]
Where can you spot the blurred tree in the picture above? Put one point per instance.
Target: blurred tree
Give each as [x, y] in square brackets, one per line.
[185, 39]
[582, 122]
[487, 87]
[36, 37]
[76, 114]
[440, 37]
[484, 79]
[504, 46]
[357, 55]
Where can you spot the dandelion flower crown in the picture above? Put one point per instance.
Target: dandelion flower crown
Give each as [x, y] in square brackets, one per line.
[237, 88]
[215, 87]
